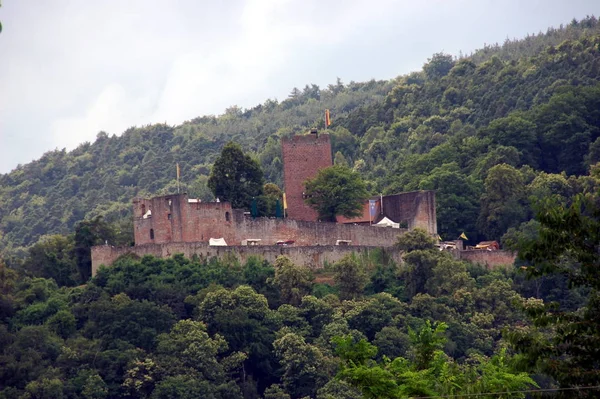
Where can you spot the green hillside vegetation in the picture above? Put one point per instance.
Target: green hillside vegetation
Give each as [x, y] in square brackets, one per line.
[189, 328]
[509, 139]
[524, 115]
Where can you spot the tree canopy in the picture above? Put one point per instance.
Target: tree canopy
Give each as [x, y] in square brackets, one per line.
[336, 191]
[236, 177]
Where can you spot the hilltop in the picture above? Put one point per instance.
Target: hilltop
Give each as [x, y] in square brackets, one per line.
[489, 131]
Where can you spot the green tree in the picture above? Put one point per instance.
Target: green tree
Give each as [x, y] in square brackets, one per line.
[564, 344]
[304, 366]
[294, 282]
[236, 177]
[503, 204]
[336, 190]
[52, 257]
[416, 239]
[350, 277]
[87, 234]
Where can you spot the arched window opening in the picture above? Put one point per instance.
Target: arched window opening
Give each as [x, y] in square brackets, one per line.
[143, 210]
[227, 217]
[152, 234]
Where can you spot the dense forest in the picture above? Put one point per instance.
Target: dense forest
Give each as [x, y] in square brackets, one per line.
[526, 112]
[190, 328]
[509, 137]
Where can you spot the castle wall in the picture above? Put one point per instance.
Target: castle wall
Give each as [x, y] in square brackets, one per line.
[314, 257]
[174, 219]
[303, 157]
[314, 233]
[490, 259]
[198, 222]
[416, 209]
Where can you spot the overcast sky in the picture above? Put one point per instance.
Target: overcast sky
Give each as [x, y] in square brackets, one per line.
[72, 68]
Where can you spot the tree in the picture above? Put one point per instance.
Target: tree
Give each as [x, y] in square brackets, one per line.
[87, 234]
[503, 205]
[294, 282]
[416, 239]
[350, 277]
[52, 257]
[236, 177]
[438, 65]
[564, 344]
[304, 366]
[336, 190]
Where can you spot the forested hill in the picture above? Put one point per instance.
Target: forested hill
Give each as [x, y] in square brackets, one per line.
[490, 132]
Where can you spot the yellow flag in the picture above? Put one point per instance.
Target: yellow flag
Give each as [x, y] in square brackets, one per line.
[440, 238]
[327, 118]
[284, 202]
[178, 171]
[463, 236]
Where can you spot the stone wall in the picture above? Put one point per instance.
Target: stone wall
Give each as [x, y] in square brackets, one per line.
[314, 257]
[313, 233]
[175, 219]
[303, 157]
[490, 259]
[415, 209]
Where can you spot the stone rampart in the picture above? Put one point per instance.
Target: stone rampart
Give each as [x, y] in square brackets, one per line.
[490, 259]
[314, 257]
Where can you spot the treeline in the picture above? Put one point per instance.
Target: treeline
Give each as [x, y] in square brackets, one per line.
[530, 104]
[189, 328]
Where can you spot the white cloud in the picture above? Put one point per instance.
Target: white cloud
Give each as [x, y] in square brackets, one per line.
[71, 69]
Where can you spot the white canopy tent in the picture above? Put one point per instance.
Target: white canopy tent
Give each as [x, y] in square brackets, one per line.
[217, 242]
[385, 222]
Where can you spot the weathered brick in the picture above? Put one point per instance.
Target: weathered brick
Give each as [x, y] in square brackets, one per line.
[303, 157]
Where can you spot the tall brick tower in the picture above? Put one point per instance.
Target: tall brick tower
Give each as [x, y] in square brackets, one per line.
[303, 157]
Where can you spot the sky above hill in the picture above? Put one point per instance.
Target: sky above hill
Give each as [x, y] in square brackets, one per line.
[70, 69]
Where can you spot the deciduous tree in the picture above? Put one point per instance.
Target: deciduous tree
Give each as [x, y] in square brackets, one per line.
[336, 191]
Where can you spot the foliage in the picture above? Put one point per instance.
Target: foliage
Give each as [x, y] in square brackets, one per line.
[336, 191]
[350, 277]
[236, 177]
[493, 133]
[564, 344]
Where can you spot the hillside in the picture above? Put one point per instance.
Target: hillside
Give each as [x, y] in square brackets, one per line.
[531, 105]
[493, 133]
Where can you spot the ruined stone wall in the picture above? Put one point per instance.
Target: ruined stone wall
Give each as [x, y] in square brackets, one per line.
[490, 259]
[416, 209]
[303, 157]
[174, 219]
[314, 257]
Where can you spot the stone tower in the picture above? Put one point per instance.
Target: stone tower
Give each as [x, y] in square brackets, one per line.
[303, 157]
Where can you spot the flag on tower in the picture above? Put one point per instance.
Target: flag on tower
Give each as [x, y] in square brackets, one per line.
[463, 236]
[327, 118]
[284, 202]
[178, 171]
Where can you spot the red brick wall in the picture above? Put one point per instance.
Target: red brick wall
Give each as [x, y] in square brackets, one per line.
[303, 157]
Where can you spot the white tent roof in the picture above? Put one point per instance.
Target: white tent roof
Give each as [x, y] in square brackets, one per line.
[385, 222]
[217, 242]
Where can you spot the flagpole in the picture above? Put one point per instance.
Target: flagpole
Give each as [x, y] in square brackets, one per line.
[178, 172]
